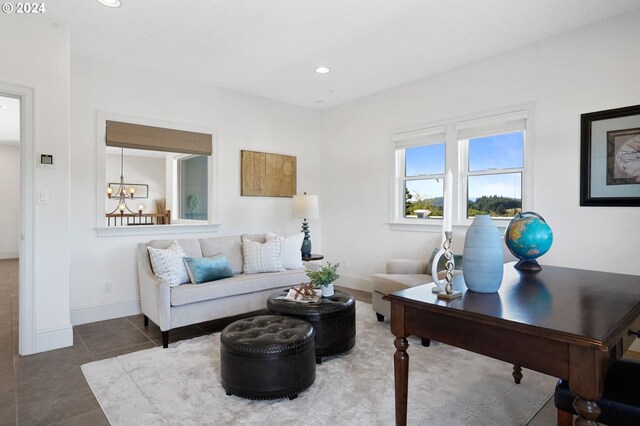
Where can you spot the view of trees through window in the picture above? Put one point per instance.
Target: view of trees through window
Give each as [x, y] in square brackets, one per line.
[494, 181]
[493, 177]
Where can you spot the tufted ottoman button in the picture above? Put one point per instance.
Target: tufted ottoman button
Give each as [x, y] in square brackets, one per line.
[267, 357]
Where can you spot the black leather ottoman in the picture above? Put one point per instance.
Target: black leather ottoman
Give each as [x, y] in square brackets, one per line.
[620, 402]
[333, 319]
[267, 357]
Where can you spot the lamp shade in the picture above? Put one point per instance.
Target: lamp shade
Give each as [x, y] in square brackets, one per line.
[305, 207]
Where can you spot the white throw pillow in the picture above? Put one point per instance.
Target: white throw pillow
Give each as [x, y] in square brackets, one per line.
[168, 265]
[261, 257]
[290, 246]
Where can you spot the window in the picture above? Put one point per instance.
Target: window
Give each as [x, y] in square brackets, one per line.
[494, 174]
[420, 159]
[488, 158]
[193, 188]
[171, 165]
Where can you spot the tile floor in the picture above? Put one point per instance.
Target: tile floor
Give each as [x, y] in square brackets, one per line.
[49, 388]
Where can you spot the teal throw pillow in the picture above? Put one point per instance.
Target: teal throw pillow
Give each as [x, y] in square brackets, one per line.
[205, 269]
[457, 258]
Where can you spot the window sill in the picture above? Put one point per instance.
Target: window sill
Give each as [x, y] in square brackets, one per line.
[436, 228]
[116, 231]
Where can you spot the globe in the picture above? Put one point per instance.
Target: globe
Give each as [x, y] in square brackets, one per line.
[528, 237]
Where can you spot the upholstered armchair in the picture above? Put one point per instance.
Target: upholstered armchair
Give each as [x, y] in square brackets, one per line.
[405, 273]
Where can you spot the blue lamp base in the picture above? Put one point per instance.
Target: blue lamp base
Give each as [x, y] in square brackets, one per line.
[306, 242]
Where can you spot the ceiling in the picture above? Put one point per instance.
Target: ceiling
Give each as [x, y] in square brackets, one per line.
[270, 48]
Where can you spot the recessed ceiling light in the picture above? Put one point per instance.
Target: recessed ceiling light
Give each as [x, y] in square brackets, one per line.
[322, 70]
[110, 3]
[319, 101]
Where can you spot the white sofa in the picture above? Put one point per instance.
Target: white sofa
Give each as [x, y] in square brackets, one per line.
[171, 307]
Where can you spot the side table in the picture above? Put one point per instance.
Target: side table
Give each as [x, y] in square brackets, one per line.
[312, 257]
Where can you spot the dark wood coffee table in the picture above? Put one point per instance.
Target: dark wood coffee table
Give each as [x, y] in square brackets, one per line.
[333, 319]
[567, 323]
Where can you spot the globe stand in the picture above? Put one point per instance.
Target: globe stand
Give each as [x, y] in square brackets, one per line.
[528, 265]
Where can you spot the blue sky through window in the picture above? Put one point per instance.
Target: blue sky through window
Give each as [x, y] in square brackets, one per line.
[425, 160]
[496, 152]
[504, 185]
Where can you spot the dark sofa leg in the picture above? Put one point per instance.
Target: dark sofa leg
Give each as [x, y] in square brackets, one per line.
[517, 374]
[380, 317]
[165, 339]
[146, 321]
[426, 342]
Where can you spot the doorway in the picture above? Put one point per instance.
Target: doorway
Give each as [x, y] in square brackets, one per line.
[17, 175]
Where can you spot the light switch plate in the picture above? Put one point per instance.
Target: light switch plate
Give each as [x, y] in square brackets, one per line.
[43, 197]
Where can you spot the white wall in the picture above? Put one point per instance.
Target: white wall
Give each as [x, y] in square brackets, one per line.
[137, 169]
[10, 212]
[241, 122]
[589, 69]
[35, 54]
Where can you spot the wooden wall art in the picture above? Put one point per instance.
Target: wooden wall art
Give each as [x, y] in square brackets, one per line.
[267, 175]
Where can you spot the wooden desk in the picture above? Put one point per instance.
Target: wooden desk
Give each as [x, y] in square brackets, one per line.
[567, 323]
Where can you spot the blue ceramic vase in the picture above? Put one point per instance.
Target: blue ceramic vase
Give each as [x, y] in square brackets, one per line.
[483, 257]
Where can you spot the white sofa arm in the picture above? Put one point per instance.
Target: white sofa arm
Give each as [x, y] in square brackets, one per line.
[407, 266]
[155, 296]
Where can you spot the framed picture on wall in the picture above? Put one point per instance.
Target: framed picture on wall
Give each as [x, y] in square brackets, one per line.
[610, 157]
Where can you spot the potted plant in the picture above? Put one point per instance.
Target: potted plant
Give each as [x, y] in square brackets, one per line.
[324, 277]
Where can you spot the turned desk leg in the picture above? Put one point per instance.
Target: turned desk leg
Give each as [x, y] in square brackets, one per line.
[588, 412]
[517, 374]
[401, 370]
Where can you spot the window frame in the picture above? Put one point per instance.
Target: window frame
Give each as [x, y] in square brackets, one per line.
[187, 226]
[175, 189]
[500, 121]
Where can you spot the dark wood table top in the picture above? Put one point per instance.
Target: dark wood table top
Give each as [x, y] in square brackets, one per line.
[571, 305]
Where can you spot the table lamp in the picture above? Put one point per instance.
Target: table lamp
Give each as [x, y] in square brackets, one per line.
[305, 207]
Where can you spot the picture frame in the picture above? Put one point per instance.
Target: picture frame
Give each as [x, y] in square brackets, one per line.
[610, 157]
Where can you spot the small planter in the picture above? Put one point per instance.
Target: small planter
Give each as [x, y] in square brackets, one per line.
[327, 290]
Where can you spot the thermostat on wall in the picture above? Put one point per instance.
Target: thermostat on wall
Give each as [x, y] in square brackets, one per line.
[45, 160]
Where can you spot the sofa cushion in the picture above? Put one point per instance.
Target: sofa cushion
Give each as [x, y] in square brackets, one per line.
[261, 257]
[191, 246]
[457, 260]
[168, 265]
[230, 246]
[388, 283]
[407, 266]
[290, 247]
[205, 269]
[238, 284]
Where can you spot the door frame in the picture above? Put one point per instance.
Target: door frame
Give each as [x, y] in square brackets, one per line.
[26, 303]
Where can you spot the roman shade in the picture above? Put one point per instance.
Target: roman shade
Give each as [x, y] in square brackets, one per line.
[418, 137]
[137, 136]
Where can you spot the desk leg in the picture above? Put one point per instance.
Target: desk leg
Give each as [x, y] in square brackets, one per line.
[401, 370]
[588, 412]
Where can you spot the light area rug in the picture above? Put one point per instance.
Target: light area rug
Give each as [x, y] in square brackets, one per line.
[447, 386]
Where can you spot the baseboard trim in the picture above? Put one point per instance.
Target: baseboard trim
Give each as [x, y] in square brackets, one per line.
[104, 311]
[9, 254]
[355, 283]
[54, 338]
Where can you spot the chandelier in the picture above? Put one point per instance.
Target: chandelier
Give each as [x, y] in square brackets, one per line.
[123, 193]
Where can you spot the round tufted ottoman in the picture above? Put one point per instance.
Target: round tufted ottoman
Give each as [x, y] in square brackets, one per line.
[333, 319]
[267, 357]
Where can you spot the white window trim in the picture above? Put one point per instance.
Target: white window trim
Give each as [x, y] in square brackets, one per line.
[456, 160]
[192, 226]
